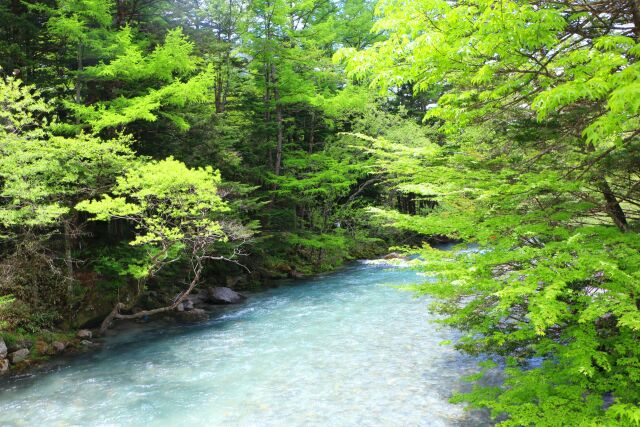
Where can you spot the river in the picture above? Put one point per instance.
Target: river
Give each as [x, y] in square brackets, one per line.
[343, 349]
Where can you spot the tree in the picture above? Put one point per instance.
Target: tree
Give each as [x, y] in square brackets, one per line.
[82, 24]
[538, 130]
[143, 86]
[545, 63]
[244, 87]
[176, 212]
[44, 175]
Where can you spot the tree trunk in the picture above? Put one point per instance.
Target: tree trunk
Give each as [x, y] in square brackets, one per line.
[635, 13]
[312, 131]
[218, 88]
[68, 260]
[78, 98]
[227, 80]
[279, 123]
[612, 206]
[267, 93]
[115, 313]
[68, 240]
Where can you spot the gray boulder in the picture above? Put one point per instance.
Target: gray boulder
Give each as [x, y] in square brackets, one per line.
[192, 316]
[84, 334]
[3, 349]
[19, 356]
[187, 304]
[58, 346]
[193, 300]
[223, 295]
[4, 366]
[199, 298]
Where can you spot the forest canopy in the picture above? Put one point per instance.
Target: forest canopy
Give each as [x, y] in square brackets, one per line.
[150, 146]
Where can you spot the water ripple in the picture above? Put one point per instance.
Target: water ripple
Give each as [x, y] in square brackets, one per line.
[340, 350]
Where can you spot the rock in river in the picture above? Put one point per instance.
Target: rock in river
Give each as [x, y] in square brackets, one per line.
[3, 349]
[84, 334]
[187, 304]
[4, 366]
[199, 298]
[223, 295]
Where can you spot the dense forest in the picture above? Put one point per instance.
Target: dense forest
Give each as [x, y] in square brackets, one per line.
[149, 146]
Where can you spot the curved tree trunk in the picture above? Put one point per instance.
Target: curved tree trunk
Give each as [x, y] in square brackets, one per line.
[115, 313]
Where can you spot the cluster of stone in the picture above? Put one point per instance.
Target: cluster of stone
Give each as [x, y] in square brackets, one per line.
[20, 351]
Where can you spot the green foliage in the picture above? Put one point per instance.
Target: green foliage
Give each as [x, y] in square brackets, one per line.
[171, 207]
[78, 20]
[54, 170]
[17, 315]
[21, 106]
[533, 131]
[247, 88]
[528, 150]
[160, 82]
[4, 300]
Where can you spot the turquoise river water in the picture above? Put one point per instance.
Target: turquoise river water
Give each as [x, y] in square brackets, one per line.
[345, 349]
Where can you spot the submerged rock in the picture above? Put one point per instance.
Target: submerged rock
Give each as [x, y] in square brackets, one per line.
[223, 295]
[3, 349]
[19, 356]
[192, 316]
[84, 334]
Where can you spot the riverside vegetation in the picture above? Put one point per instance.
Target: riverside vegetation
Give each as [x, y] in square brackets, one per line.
[151, 146]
